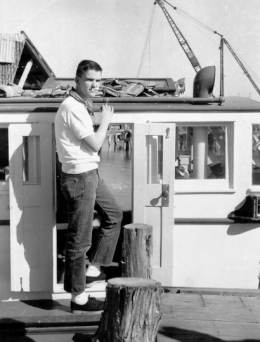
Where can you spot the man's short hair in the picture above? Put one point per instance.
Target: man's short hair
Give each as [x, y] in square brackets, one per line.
[86, 65]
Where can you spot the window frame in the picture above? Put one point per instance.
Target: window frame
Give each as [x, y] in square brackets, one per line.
[211, 185]
[254, 187]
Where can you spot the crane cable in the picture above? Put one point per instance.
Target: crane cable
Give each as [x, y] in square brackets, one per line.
[35, 15]
[208, 28]
[196, 21]
[148, 35]
[147, 43]
[184, 13]
[248, 67]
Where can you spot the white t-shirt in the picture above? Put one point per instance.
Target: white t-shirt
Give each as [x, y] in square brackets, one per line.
[72, 124]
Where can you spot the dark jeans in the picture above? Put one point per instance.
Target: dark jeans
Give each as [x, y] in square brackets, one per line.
[83, 192]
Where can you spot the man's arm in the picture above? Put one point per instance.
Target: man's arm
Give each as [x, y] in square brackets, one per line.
[95, 140]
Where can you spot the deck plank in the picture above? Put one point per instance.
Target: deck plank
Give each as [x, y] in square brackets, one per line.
[186, 317]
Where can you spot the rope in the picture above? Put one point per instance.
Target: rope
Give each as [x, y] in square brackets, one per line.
[208, 28]
[36, 14]
[248, 67]
[184, 13]
[147, 44]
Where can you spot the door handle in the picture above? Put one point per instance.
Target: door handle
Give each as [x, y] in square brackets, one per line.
[164, 197]
[165, 194]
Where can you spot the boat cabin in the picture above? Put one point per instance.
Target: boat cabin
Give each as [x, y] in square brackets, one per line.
[186, 169]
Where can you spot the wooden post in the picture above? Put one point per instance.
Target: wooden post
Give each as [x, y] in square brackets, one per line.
[137, 250]
[132, 311]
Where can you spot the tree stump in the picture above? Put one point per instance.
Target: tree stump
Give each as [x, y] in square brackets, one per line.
[137, 250]
[132, 311]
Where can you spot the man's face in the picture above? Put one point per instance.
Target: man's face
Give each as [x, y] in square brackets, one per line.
[88, 83]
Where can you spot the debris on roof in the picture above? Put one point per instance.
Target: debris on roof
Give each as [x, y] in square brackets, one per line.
[109, 88]
[10, 90]
[23, 72]
[13, 90]
[135, 88]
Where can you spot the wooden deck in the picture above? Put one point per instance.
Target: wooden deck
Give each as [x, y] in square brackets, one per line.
[210, 317]
[186, 317]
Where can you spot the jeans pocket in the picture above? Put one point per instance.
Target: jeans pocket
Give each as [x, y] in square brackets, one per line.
[73, 188]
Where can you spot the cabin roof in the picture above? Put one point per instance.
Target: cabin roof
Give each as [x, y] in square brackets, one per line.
[171, 104]
[237, 102]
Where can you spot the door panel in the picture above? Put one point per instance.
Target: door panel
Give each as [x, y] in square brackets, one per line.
[153, 180]
[31, 206]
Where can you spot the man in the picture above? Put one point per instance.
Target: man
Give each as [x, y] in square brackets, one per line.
[77, 148]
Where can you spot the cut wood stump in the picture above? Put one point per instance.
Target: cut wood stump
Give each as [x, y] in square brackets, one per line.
[132, 311]
[137, 250]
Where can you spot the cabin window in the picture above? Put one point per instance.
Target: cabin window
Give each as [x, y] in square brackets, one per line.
[200, 152]
[31, 159]
[154, 151]
[4, 158]
[256, 154]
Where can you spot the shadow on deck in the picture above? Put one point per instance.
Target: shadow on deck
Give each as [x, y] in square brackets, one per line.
[186, 318]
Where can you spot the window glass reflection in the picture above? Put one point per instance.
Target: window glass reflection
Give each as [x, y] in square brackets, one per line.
[154, 148]
[200, 152]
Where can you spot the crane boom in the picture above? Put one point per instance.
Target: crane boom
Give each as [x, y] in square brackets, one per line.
[241, 65]
[181, 39]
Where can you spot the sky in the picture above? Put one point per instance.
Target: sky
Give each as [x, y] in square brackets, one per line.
[131, 38]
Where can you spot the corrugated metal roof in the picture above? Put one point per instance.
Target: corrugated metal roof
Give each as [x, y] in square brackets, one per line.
[12, 49]
[7, 46]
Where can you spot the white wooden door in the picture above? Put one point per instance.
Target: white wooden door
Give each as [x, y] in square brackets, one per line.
[153, 180]
[31, 206]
